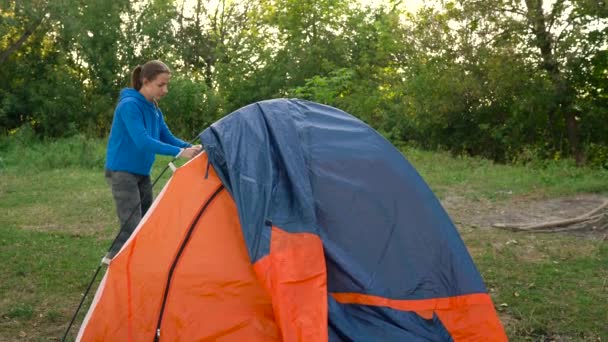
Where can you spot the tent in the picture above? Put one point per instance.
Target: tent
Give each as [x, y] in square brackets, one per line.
[298, 223]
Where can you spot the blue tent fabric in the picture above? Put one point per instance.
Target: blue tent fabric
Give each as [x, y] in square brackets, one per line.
[354, 322]
[307, 167]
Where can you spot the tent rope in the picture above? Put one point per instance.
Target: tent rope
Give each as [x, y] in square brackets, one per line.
[105, 260]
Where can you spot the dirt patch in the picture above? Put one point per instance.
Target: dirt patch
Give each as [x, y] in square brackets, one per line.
[483, 213]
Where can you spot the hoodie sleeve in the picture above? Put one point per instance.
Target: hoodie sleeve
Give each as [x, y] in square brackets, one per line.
[167, 137]
[132, 118]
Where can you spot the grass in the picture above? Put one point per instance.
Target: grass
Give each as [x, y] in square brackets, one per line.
[547, 287]
[58, 219]
[476, 177]
[43, 275]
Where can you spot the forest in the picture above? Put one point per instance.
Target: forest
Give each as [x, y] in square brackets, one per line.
[508, 80]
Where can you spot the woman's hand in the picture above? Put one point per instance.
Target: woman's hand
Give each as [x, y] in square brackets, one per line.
[190, 152]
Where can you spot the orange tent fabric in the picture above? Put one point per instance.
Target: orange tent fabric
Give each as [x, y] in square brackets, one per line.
[192, 236]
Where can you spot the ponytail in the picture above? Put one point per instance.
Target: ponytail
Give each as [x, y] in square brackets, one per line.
[136, 81]
[148, 71]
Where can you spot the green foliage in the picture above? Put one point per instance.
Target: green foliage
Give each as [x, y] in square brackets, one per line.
[190, 107]
[597, 155]
[326, 89]
[372, 88]
[473, 78]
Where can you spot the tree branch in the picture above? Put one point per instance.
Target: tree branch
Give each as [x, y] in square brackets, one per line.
[14, 46]
[563, 32]
[513, 10]
[591, 215]
[555, 11]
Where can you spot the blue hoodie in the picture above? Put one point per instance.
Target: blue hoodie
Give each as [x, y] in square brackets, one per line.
[138, 133]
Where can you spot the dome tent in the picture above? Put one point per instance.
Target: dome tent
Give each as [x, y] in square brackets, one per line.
[299, 222]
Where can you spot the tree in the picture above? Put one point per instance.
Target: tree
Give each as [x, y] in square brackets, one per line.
[561, 36]
[307, 39]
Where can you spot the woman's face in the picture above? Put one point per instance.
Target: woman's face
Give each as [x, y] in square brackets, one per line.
[158, 87]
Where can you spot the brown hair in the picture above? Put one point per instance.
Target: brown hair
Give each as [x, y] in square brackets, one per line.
[148, 71]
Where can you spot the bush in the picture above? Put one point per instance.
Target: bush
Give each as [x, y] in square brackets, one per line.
[189, 107]
[597, 156]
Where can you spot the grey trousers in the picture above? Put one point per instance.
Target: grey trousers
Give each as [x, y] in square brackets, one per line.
[133, 196]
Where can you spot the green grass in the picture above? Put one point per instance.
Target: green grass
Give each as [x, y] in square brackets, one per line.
[476, 177]
[58, 219]
[546, 286]
[43, 275]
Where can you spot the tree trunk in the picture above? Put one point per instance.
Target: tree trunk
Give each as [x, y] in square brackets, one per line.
[573, 137]
[563, 93]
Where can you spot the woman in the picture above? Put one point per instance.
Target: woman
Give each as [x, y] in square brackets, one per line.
[138, 133]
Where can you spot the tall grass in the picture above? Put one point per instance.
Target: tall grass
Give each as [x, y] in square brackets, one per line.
[23, 153]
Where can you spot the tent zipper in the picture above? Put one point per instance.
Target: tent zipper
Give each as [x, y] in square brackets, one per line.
[177, 257]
